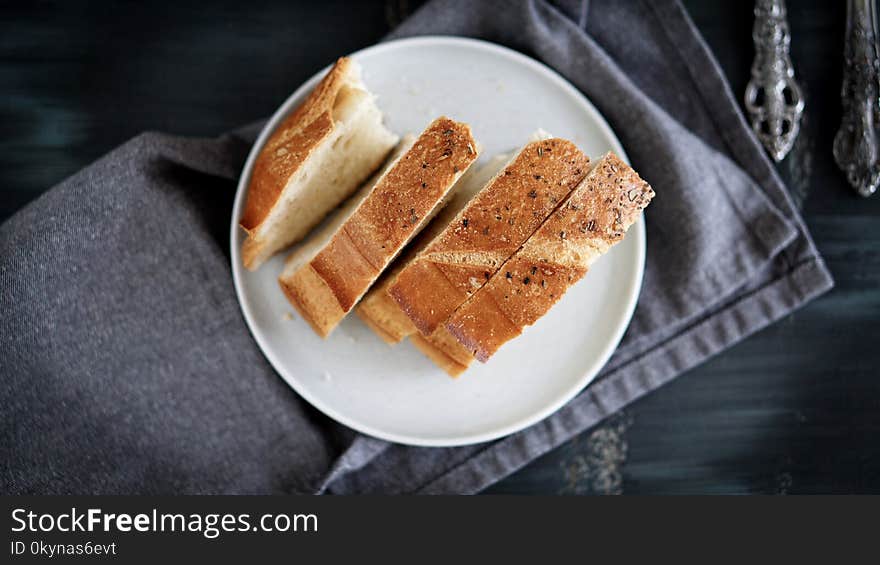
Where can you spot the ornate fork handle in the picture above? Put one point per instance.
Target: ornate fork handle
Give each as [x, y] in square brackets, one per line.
[856, 142]
[773, 99]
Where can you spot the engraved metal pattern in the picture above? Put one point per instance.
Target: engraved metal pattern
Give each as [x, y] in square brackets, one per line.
[855, 145]
[773, 99]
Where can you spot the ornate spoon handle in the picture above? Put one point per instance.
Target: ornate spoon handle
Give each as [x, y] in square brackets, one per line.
[855, 145]
[773, 99]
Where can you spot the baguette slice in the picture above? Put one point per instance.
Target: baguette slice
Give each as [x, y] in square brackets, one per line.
[490, 229]
[326, 276]
[317, 157]
[338, 216]
[592, 219]
[377, 309]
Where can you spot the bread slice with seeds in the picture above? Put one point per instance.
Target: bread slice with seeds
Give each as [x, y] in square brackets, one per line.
[318, 156]
[499, 219]
[377, 309]
[326, 276]
[596, 215]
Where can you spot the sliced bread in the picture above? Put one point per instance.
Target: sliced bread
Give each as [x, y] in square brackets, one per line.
[326, 276]
[494, 224]
[377, 309]
[596, 215]
[382, 315]
[318, 156]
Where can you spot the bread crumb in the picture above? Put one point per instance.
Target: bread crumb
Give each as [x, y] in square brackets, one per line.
[287, 316]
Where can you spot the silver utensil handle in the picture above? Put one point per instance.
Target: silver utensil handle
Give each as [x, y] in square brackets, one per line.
[855, 145]
[773, 98]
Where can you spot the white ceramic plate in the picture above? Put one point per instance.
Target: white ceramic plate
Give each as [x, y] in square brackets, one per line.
[395, 393]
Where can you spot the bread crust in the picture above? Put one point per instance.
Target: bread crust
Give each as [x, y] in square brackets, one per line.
[447, 343]
[379, 329]
[377, 309]
[441, 358]
[395, 209]
[383, 315]
[304, 291]
[469, 251]
[290, 145]
[595, 217]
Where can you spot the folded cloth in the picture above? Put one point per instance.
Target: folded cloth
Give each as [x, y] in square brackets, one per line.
[127, 367]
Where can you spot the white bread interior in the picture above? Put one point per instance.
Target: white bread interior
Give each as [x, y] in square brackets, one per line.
[334, 169]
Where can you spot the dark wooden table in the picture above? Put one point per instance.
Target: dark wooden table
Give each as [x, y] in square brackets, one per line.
[794, 409]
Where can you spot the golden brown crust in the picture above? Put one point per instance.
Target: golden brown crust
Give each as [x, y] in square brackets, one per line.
[383, 315]
[290, 145]
[595, 217]
[450, 346]
[491, 228]
[377, 309]
[304, 290]
[378, 327]
[440, 358]
[395, 208]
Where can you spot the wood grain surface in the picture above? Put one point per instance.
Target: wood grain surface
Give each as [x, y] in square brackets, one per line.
[793, 409]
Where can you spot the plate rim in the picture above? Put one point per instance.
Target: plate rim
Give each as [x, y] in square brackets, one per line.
[633, 292]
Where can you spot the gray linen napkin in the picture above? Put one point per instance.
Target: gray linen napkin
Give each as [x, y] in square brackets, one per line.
[126, 365]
